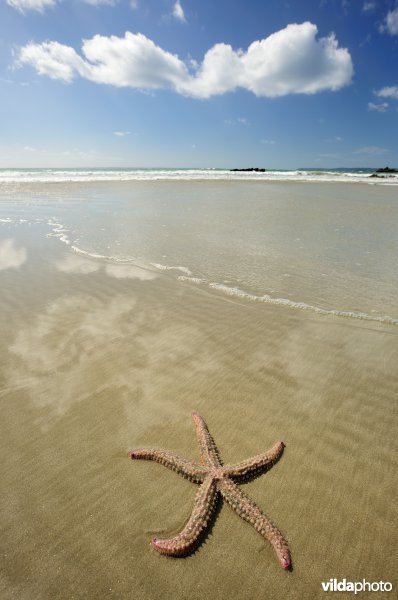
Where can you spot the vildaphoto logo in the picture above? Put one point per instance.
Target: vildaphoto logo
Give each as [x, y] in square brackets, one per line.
[342, 585]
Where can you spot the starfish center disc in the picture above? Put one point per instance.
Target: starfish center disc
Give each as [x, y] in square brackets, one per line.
[217, 473]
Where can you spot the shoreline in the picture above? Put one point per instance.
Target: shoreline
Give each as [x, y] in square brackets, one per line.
[115, 174]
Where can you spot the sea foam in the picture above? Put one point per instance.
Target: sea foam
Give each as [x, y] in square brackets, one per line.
[267, 299]
[16, 176]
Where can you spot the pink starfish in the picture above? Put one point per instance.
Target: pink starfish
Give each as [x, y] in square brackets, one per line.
[215, 479]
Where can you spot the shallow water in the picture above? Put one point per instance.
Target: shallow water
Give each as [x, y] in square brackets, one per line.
[103, 354]
[314, 246]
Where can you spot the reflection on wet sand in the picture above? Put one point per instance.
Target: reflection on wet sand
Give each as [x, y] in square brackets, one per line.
[92, 366]
[73, 263]
[12, 256]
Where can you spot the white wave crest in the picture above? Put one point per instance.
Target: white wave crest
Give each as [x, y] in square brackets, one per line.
[267, 299]
[169, 268]
[95, 175]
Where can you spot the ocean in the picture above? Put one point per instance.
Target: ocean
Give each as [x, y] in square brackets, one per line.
[156, 174]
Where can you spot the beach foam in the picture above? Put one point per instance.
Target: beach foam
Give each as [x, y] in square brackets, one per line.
[95, 175]
[267, 299]
[171, 268]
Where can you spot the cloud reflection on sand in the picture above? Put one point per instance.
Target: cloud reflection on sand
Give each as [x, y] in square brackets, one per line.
[81, 346]
[76, 264]
[82, 266]
[66, 353]
[11, 256]
[129, 272]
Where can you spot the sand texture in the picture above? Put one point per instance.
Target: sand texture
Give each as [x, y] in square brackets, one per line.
[95, 371]
[98, 358]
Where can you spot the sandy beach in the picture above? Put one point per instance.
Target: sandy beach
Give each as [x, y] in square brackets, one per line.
[98, 359]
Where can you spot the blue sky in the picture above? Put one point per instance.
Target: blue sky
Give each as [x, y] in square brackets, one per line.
[215, 83]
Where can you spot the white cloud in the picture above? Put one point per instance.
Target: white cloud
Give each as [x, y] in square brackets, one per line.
[53, 59]
[178, 12]
[23, 5]
[41, 5]
[335, 139]
[388, 92]
[345, 5]
[11, 257]
[382, 107]
[368, 6]
[371, 150]
[238, 121]
[121, 133]
[271, 142]
[290, 61]
[392, 22]
[101, 2]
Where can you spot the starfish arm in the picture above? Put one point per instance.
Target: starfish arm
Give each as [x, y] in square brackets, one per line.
[250, 512]
[172, 461]
[185, 541]
[208, 449]
[253, 466]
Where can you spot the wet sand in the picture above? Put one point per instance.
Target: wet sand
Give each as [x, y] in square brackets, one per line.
[94, 365]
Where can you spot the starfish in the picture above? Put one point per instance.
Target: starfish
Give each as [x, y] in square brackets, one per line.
[216, 479]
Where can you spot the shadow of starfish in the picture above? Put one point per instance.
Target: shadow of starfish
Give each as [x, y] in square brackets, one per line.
[215, 479]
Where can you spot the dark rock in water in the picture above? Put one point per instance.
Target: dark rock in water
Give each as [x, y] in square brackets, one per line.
[255, 169]
[387, 170]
